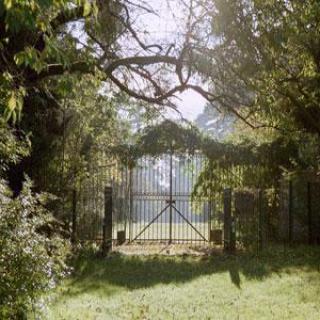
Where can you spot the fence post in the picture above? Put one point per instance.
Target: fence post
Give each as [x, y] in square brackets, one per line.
[74, 217]
[170, 198]
[107, 225]
[229, 224]
[130, 204]
[209, 218]
[290, 222]
[260, 220]
[310, 229]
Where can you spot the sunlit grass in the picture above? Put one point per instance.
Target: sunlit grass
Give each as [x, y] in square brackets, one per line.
[278, 285]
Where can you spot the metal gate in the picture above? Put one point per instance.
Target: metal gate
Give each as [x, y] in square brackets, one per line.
[160, 202]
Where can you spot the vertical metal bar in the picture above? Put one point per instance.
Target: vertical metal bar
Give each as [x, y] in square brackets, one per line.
[192, 217]
[180, 193]
[138, 206]
[123, 198]
[150, 202]
[209, 215]
[175, 166]
[150, 232]
[190, 202]
[170, 198]
[140, 224]
[310, 233]
[160, 189]
[260, 220]
[145, 191]
[135, 199]
[149, 190]
[196, 217]
[205, 216]
[290, 218]
[130, 203]
[74, 216]
[147, 200]
[155, 197]
[115, 198]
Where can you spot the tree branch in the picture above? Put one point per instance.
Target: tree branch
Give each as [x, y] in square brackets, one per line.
[127, 24]
[142, 61]
[156, 100]
[59, 69]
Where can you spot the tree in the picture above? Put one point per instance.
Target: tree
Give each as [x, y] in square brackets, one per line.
[38, 42]
[265, 61]
[44, 41]
[213, 123]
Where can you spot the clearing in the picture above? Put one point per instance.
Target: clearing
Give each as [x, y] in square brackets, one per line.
[279, 284]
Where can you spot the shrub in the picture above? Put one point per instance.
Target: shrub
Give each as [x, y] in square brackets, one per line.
[31, 255]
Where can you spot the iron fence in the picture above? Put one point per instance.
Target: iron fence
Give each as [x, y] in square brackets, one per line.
[155, 201]
[299, 219]
[151, 202]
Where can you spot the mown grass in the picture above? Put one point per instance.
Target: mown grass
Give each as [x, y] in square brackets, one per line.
[279, 284]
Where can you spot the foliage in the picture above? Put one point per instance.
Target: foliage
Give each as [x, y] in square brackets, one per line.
[11, 149]
[56, 54]
[265, 63]
[78, 158]
[247, 49]
[41, 40]
[263, 68]
[215, 124]
[28, 17]
[31, 253]
[155, 140]
[230, 163]
[169, 136]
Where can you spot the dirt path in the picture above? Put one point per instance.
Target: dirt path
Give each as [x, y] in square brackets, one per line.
[167, 249]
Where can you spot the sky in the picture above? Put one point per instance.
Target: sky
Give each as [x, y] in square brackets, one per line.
[166, 26]
[190, 104]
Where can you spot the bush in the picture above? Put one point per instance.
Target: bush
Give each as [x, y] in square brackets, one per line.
[31, 255]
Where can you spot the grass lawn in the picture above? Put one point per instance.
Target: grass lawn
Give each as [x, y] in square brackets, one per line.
[277, 285]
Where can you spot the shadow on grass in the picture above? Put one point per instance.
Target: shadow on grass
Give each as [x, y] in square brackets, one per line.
[118, 272]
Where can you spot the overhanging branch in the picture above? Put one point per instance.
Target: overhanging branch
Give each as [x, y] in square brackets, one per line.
[140, 60]
[59, 69]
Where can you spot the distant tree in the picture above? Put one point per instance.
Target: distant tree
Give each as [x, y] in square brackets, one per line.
[213, 123]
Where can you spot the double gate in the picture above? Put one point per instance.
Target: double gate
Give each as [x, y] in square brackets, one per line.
[154, 201]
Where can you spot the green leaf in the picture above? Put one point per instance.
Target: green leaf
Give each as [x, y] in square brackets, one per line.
[8, 4]
[86, 8]
[20, 58]
[12, 101]
[14, 105]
